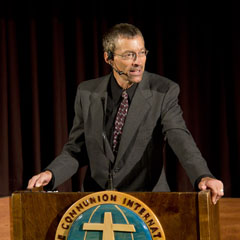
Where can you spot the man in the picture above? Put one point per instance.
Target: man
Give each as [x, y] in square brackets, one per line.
[120, 137]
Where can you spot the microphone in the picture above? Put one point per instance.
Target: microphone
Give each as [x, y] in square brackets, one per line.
[110, 57]
[107, 151]
[118, 71]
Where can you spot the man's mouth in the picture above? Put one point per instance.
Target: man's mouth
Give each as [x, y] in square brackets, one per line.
[135, 71]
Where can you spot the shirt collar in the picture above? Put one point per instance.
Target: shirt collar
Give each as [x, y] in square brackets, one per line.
[116, 90]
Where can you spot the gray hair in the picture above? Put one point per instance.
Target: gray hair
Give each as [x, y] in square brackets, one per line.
[121, 30]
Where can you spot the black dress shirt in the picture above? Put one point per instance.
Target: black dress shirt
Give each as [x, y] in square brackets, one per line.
[113, 103]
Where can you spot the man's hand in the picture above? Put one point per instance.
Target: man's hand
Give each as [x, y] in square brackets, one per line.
[216, 187]
[39, 180]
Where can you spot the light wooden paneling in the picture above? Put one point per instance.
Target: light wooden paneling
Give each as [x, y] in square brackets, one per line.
[5, 218]
[229, 209]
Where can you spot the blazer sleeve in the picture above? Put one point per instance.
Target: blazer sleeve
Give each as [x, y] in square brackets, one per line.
[179, 137]
[65, 165]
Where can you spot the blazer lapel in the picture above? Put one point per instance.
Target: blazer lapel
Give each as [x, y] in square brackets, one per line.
[139, 107]
[96, 117]
[96, 114]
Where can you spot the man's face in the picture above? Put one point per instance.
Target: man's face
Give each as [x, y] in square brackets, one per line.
[130, 58]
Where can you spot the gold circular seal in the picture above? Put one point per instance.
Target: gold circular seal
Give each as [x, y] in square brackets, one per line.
[109, 215]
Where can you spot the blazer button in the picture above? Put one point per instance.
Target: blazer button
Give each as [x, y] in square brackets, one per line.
[116, 170]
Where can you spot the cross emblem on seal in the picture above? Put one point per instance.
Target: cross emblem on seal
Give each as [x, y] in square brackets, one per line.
[108, 227]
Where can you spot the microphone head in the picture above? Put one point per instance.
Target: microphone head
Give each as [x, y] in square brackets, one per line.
[118, 71]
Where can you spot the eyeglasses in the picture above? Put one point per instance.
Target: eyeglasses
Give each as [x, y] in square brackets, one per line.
[133, 55]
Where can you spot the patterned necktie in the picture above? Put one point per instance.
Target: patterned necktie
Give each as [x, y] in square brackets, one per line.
[119, 121]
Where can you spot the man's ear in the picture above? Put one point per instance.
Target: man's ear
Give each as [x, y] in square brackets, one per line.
[106, 58]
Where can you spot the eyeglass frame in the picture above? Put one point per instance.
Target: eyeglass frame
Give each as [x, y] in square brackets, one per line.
[134, 55]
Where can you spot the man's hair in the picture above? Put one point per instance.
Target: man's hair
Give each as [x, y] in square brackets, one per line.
[121, 30]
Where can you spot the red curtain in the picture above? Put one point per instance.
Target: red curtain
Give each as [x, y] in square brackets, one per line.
[46, 50]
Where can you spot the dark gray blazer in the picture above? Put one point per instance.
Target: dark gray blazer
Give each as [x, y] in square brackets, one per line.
[154, 112]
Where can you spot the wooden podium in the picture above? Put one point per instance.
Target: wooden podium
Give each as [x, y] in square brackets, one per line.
[36, 215]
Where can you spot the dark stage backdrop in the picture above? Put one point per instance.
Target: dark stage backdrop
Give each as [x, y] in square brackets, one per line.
[48, 48]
